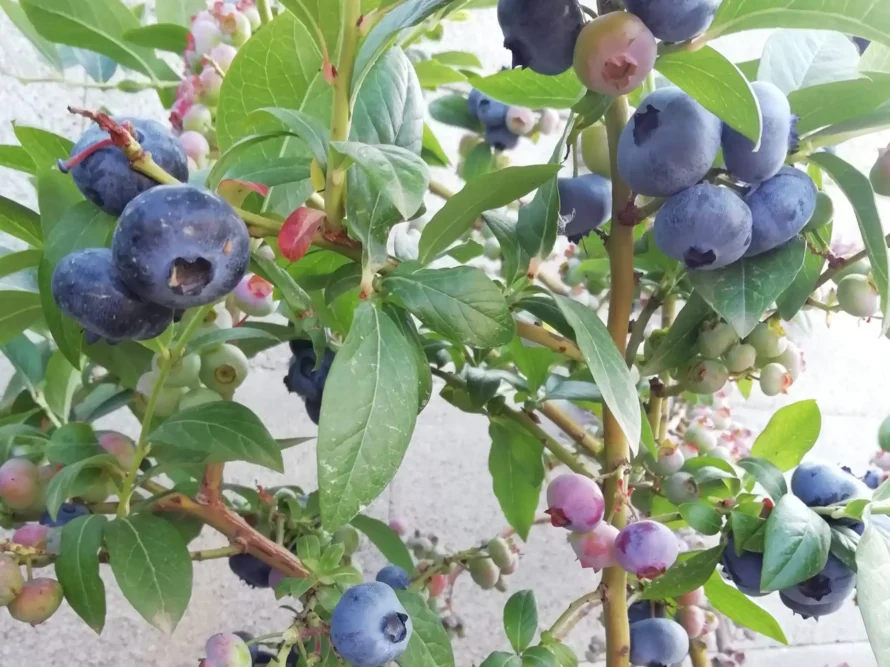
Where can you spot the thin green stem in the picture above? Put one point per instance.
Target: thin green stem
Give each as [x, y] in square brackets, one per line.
[638, 332]
[119, 85]
[265, 10]
[40, 399]
[566, 617]
[341, 114]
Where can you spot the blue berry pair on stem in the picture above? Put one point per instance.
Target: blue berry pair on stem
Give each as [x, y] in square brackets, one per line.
[304, 379]
[503, 124]
[175, 246]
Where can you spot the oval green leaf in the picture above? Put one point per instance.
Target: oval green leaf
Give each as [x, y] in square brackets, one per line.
[790, 434]
[796, 545]
[77, 568]
[521, 619]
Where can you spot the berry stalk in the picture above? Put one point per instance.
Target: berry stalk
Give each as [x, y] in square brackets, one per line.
[341, 115]
[617, 453]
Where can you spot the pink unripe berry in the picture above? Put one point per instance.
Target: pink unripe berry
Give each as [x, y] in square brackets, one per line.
[646, 549]
[198, 119]
[693, 621]
[11, 580]
[692, 598]
[575, 502]
[19, 484]
[196, 147]
[596, 549]
[398, 526]
[614, 53]
[520, 121]
[206, 34]
[223, 55]
[253, 296]
[549, 121]
[211, 83]
[32, 535]
[436, 584]
[227, 650]
[235, 25]
[119, 446]
[38, 600]
[882, 460]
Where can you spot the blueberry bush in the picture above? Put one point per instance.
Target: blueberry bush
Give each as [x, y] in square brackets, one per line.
[646, 271]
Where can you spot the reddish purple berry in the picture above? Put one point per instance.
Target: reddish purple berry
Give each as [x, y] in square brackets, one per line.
[19, 484]
[596, 549]
[646, 549]
[575, 502]
[38, 600]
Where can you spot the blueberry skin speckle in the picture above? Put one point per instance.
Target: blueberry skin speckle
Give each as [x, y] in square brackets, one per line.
[706, 227]
[105, 177]
[669, 144]
[658, 641]
[585, 203]
[541, 35]
[394, 577]
[86, 288]
[780, 208]
[819, 484]
[250, 569]
[777, 138]
[674, 21]
[369, 626]
[180, 246]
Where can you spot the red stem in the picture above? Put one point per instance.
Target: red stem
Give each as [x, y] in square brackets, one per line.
[66, 165]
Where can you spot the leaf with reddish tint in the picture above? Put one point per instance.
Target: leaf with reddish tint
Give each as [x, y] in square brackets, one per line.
[235, 191]
[296, 234]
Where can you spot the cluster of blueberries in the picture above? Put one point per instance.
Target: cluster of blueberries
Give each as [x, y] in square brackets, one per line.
[817, 484]
[174, 247]
[304, 379]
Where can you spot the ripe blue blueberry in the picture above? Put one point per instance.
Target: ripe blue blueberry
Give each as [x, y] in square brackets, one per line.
[68, 512]
[303, 378]
[744, 570]
[657, 641]
[674, 21]
[491, 112]
[86, 287]
[250, 569]
[369, 626]
[585, 203]
[540, 35]
[394, 577]
[102, 172]
[640, 611]
[777, 139]
[686, 227]
[473, 100]
[180, 246]
[669, 144]
[500, 138]
[780, 209]
[820, 484]
[313, 409]
[810, 609]
[833, 584]
[873, 478]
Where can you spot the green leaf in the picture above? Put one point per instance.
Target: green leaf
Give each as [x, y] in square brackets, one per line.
[57, 194]
[62, 380]
[47, 49]
[429, 645]
[241, 152]
[28, 359]
[21, 262]
[533, 362]
[293, 587]
[521, 619]
[152, 566]
[127, 361]
[742, 291]
[565, 656]
[21, 222]
[501, 659]
[517, 471]
[844, 542]
[857, 188]
[609, 370]
[20, 311]
[791, 433]
[272, 171]
[796, 545]
[821, 105]
[680, 342]
[406, 325]
[716, 84]
[795, 296]
[702, 517]
[873, 587]
[96, 25]
[323, 18]
[478, 162]
[309, 129]
[525, 88]
[75, 479]
[452, 110]
[745, 532]
[482, 194]
[309, 548]
[795, 59]
[360, 450]
[44, 147]
[685, 575]
[538, 223]
[461, 303]
[161, 36]
[432, 150]
[215, 337]
[216, 433]
[514, 260]
[400, 176]
[739, 608]
[386, 540]
[868, 18]
[382, 35]
[767, 474]
[294, 296]
[77, 568]
[433, 73]
[539, 656]
[590, 109]
[178, 11]
[16, 157]
[84, 226]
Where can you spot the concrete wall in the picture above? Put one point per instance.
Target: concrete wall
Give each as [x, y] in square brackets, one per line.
[443, 486]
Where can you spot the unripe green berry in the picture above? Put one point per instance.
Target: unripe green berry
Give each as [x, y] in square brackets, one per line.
[768, 341]
[198, 119]
[595, 150]
[792, 359]
[492, 248]
[502, 585]
[168, 397]
[880, 174]
[680, 488]
[198, 396]
[862, 268]
[224, 369]
[183, 373]
[700, 437]
[669, 461]
[857, 296]
[740, 357]
[467, 143]
[653, 341]
[348, 537]
[11, 580]
[715, 340]
[500, 552]
[884, 434]
[484, 572]
[823, 214]
[774, 379]
[707, 376]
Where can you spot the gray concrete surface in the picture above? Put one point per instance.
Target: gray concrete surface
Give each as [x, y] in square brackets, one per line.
[444, 485]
